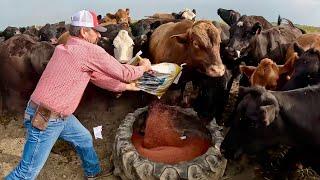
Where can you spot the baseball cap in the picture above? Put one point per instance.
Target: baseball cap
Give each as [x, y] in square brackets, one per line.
[86, 18]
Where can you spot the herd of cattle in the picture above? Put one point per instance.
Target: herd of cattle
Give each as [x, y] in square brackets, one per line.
[278, 57]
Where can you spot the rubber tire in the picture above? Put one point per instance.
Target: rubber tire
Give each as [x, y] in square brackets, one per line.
[130, 165]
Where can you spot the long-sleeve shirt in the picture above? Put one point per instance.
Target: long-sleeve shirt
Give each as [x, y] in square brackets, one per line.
[70, 69]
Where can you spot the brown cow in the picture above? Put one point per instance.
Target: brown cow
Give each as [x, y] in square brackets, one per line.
[197, 44]
[266, 74]
[306, 41]
[121, 16]
[22, 60]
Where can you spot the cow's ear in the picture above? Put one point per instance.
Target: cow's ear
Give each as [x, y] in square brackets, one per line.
[128, 11]
[181, 38]
[297, 48]
[268, 114]
[288, 66]
[194, 11]
[256, 29]
[247, 70]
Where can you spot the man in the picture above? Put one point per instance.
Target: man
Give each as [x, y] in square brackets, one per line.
[48, 115]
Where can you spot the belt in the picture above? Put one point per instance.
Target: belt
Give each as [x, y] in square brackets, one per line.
[53, 115]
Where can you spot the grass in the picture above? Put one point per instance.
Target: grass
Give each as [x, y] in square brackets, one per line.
[309, 29]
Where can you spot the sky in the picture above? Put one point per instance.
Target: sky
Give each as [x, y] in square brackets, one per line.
[22, 13]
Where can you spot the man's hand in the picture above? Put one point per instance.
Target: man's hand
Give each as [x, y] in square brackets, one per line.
[132, 87]
[145, 63]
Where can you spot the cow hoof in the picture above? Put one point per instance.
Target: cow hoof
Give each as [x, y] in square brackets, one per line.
[129, 164]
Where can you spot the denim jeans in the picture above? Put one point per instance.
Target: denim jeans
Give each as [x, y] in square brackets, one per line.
[39, 144]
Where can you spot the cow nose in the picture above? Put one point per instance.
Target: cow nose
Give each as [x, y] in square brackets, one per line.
[232, 52]
[54, 40]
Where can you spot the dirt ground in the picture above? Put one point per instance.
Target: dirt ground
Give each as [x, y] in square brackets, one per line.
[63, 162]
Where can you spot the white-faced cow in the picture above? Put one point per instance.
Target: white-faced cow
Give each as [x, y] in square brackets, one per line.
[123, 46]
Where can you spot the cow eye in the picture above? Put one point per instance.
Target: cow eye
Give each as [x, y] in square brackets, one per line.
[195, 44]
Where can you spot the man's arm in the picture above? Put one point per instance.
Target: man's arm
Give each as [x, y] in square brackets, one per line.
[101, 61]
[111, 84]
[107, 82]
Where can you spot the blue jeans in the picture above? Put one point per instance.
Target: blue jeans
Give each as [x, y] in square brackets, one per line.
[39, 144]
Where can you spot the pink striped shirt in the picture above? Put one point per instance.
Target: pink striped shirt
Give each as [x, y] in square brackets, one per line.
[70, 69]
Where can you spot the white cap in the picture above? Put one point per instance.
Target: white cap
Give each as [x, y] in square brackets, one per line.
[86, 18]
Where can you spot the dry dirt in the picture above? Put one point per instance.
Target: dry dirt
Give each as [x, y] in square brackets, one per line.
[63, 162]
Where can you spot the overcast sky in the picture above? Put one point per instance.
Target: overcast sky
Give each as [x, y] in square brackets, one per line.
[39, 12]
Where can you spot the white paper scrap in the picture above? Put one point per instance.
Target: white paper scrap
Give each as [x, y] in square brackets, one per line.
[97, 132]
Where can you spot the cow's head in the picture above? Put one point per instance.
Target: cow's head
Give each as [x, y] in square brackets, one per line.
[229, 16]
[188, 14]
[48, 33]
[256, 124]
[10, 31]
[123, 44]
[306, 69]
[241, 34]
[123, 16]
[202, 43]
[266, 74]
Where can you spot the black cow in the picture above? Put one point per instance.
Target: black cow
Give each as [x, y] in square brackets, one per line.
[242, 30]
[268, 118]
[306, 68]
[142, 30]
[254, 38]
[212, 96]
[48, 33]
[10, 31]
[229, 16]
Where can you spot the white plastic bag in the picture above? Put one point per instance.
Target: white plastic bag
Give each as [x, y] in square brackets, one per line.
[158, 80]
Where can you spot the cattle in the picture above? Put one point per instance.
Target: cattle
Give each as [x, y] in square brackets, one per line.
[213, 93]
[306, 68]
[10, 31]
[123, 46]
[106, 42]
[242, 31]
[121, 16]
[266, 74]
[272, 76]
[254, 38]
[197, 44]
[33, 31]
[22, 60]
[272, 43]
[229, 16]
[142, 30]
[268, 118]
[48, 33]
[184, 14]
[305, 41]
